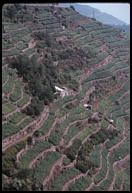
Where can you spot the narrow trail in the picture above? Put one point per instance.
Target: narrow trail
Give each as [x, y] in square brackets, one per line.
[5, 66]
[117, 164]
[31, 44]
[11, 113]
[90, 186]
[22, 120]
[103, 48]
[40, 156]
[124, 95]
[109, 154]
[51, 176]
[89, 71]
[121, 186]
[94, 132]
[22, 152]
[27, 104]
[14, 30]
[13, 89]
[20, 97]
[101, 159]
[86, 97]
[18, 109]
[75, 136]
[26, 131]
[70, 165]
[56, 121]
[5, 81]
[67, 184]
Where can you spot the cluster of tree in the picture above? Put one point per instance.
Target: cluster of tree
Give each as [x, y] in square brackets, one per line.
[48, 40]
[18, 13]
[8, 159]
[40, 78]
[83, 163]
[23, 180]
[55, 137]
[72, 151]
[102, 135]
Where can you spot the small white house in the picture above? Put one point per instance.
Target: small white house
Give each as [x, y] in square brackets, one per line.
[62, 91]
[85, 105]
[111, 121]
[63, 27]
[88, 107]
[58, 89]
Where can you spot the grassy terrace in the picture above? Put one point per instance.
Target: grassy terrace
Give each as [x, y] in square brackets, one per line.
[23, 101]
[8, 129]
[32, 153]
[63, 178]
[16, 117]
[8, 108]
[125, 88]
[95, 156]
[16, 95]
[103, 170]
[40, 171]
[81, 184]
[90, 36]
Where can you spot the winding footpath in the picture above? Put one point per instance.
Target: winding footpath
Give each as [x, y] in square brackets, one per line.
[26, 131]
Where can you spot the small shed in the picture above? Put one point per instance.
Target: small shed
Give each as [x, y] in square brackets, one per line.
[88, 107]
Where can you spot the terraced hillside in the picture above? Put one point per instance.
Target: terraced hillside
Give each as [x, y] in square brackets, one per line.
[65, 101]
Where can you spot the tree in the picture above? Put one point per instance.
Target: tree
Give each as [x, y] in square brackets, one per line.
[72, 7]
[117, 102]
[36, 133]
[29, 141]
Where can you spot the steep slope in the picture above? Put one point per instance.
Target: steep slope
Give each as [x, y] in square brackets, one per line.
[88, 11]
[65, 101]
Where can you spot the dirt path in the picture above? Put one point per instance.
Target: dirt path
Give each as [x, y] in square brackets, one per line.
[57, 121]
[118, 164]
[86, 97]
[21, 121]
[109, 154]
[94, 132]
[31, 44]
[13, 89]
[20, 97]
[89, 71]
[26, 131]
[11, 113]
[50, 177]
[40, 156]
[5, 81]
[67, 184]
[5, 66]
[27, 104]
[75, 136]
[124, 95]
[22, 152]
[108, 168]
[18, 109]
[101, 159]
[90, 186]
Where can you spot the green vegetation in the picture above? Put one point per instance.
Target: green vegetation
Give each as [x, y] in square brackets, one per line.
[8, 159]
[48, 46]
[32, 153]
[63, 177]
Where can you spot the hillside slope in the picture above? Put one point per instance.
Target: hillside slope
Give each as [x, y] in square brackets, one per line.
[65, 101]
[88, 11]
